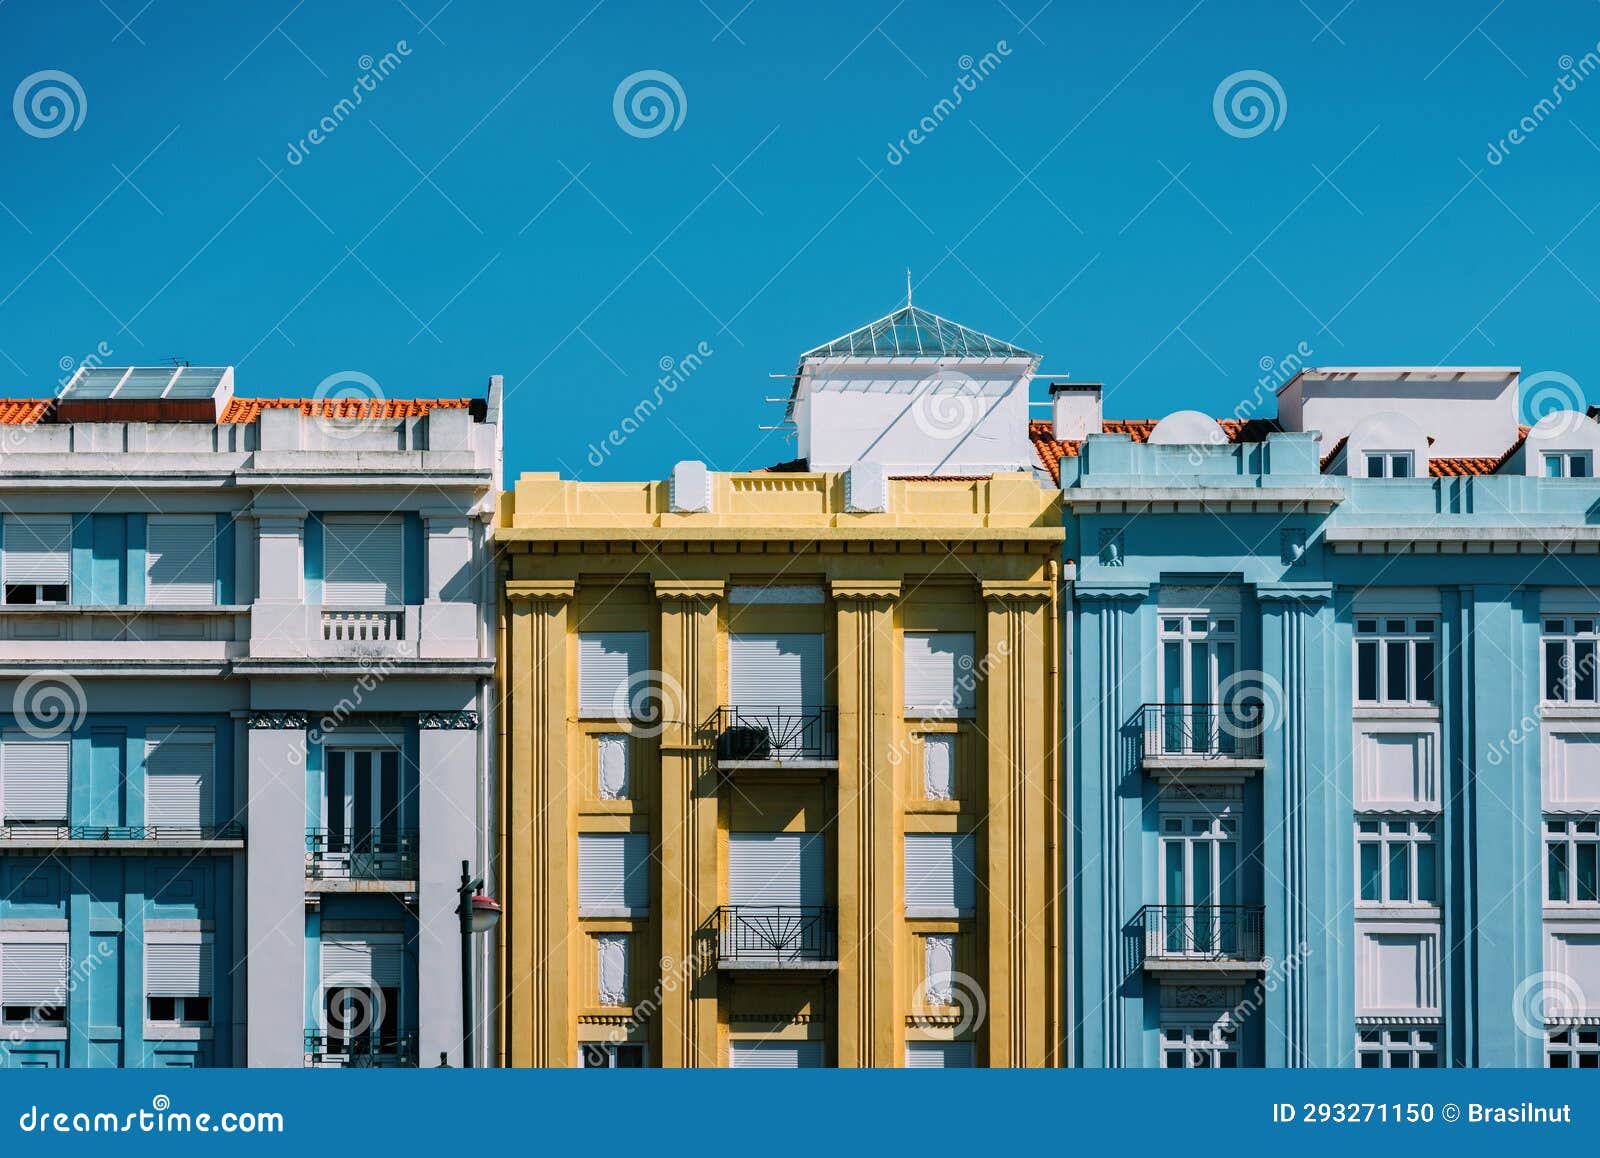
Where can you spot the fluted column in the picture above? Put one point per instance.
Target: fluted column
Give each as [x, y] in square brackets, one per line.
[869, 825]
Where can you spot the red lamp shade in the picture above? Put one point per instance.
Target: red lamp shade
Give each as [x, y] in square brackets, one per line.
[485, 913]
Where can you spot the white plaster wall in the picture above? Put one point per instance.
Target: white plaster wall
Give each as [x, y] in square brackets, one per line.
[1466, 417]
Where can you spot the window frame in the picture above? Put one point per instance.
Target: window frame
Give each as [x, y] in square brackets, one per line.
[1213, 1039]
[1387, 460]
[1379, 1042]
[59, 1020]
[1562, 460]
[1573, 1043]
[1419, 831]
[1577, 639]
[38, 589]
[611, 1049]
[1378, 631]
[1570, 839]
[205, 943]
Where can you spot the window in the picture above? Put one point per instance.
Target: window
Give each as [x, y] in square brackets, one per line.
[1572, 1049]
[177, 979]
[775, 868]
[37, 565]
[605, 1055]
[940, 881]
[939, 675]
[1568, 464]
[1199, 659]
[1395, 659]
[1406, 1048]
[1389, 464]
[612, 759]
[34, 778]
[1200, 881]
[1572, 861]
[938, 766]
[613, 874]
[775, 1054]
[362, 561]
[33, 979]
[939, 969]
[611, 968]
[778, 673]
[610, 667]
[361, 813]
[1570, 658]
[360, 1005]
[178, 766]
[181, 559]
[1200, 1047]
[938, 1055]
[1397, 862]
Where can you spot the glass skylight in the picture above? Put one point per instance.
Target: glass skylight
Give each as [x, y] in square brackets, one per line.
[145, 382]
[913, 332]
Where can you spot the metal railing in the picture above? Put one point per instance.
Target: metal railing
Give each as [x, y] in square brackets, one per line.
[372, 1050]
[752, 934]
[361, 855]
[173, 832]
[1229, 731]
[761, 732]
[1202, 932]
[363, 624]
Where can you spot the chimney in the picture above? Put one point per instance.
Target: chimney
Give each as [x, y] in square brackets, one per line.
[1075, 410]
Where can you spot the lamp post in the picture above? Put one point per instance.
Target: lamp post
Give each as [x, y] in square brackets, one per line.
[479, 913]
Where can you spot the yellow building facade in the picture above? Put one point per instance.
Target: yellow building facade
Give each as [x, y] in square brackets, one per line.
[781, 782]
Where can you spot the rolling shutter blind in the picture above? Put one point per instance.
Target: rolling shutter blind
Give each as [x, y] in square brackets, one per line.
[612, 871]
[177, 969]
[33, 973]
[36, 549]
[939, 673]
[939, 964]
[178, 768]
[361, 962]
[35, 778]
[362, 561]
[939, 873]
[181, 559]
[775, 1055]
[612, 951]
[608, 661]
[938, 1055]
[613, 761]
[775, 671]
[938, 767]
[775, 868]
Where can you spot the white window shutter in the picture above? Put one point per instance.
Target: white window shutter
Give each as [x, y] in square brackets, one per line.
[613, 873]
[177, 968]
[36, 549]
[939, 673]
[33, 972]
[938, 767]
[939, 966]
[939, 875]
[775, 868]
[775, 1054]
[361, 962]
[775, 671]
[938, 1055]
[608, 663]
[181, 559]
[362, 561]
[613, 762]
[179, 768]
[612, 967]
[34, 778]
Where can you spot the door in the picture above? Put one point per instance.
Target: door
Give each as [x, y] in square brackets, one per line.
[1200, 883]
[361, 809]
[1199, 659]
[360, 1003]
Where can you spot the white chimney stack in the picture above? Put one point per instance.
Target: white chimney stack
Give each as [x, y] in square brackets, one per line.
[1075, 410]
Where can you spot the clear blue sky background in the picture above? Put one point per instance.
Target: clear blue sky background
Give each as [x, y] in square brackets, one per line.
[483, 212]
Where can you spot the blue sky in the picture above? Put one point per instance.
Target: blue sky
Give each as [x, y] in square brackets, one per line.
[484, 211]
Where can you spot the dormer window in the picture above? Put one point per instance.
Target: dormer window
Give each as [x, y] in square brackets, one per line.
[1568, 464]
[1389, 464]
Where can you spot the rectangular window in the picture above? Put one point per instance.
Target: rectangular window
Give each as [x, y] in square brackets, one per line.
[939, 1055]
[179, 767]
[776, 868]
[611, 671]
[1389, 464]
[34, 779]
[1572, 860]
[605, 1055]
[1570, 657]
[775, 1054]
[363, 561]
[775, 673]
[611, 968]
[613, 874]
[1572, 1049]
[1213, 1046]
[177, 978]
[181, 560]
[360, 1004]
[940, 677]
[1568, 464]
[940, 880]
[612, 757]
[33, 978]
[1405, 1048]
[37, 563]
[1396, 861]
[1395, 661]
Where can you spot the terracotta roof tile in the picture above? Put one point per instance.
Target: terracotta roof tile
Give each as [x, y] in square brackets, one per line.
[1051, 451]
[249, 409]
[22, 411]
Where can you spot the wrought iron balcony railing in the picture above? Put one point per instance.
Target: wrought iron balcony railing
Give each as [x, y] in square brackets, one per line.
[1230, 731]
[373, 1050]
[777, 935]
[114, 832]
[761, 732]
[1175, 933]
[361, 855]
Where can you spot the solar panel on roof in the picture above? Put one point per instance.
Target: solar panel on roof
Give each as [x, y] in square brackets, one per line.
[196, 382]
[145, 382]
[96, 382]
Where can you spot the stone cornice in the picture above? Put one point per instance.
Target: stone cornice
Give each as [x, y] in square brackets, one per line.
[1301, 592]
[865, 589]
[690, 589]
[540, 590]
[1023, 590]
[1124, 589]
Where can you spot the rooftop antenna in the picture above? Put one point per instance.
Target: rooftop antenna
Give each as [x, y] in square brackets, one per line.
[908, 287]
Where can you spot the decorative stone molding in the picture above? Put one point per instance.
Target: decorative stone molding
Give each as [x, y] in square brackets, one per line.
[1297, 592]
[690, 589]
[540, 590]
[776, 1019]
[277, 720]
[1111, 590]
[1036, 591]
[1198, 996]
[1111, 548]
[865, 589]
[448, 721]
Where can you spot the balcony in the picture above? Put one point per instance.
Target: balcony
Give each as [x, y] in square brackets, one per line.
[360, 1051]
[786, 937]
[777, 738]
[1200, 736]
[345, 862]
[123, 837]
[1201, 938]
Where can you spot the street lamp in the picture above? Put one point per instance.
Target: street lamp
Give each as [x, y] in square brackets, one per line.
[479, 913]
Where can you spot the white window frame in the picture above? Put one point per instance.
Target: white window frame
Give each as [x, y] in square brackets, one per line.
[1570, 833]
[611, 1048]
[207, 945]
[1188, 825]
[1380, 632]
[1563, 461]
[6, 553]
[1206, 1043]
[1386, 1043]
[56, 939]
[1577, 640]
[1413, 832]
[1387, 460]
[1578, 1046]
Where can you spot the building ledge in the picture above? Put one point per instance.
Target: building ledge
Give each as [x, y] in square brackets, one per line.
[774, 965]
[113, 847]
[314, 885]
[1516, 539]
[1207, 965]
[1199, 769]
[1194, 499]
[799, 764]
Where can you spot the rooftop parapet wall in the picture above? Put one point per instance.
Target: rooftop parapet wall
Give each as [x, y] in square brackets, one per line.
[1117, 460]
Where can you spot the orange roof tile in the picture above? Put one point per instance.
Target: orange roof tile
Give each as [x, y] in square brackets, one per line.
[22, 411]
[1051, 451]
[249, 409]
